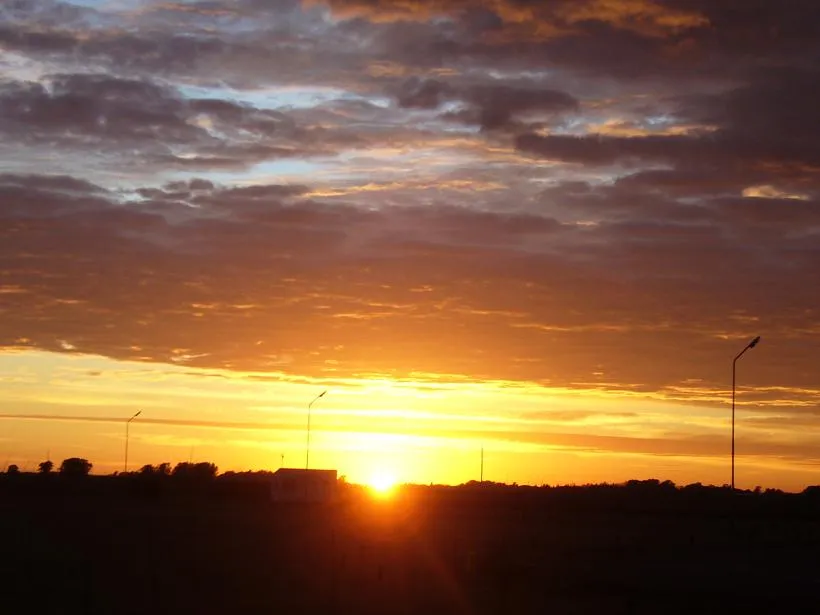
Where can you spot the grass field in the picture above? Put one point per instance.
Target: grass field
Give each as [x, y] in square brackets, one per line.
[428, 551]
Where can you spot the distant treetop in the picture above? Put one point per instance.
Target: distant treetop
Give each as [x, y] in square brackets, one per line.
[75, 466]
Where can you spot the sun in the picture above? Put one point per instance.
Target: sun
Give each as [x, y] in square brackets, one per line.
[382, 483]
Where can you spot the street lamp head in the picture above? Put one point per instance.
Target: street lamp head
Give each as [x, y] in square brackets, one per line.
[754, 342]
[322, 394]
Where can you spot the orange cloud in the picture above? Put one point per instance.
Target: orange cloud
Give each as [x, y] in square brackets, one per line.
[646, 17]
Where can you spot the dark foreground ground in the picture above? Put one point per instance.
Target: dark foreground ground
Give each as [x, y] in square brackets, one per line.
[78, 550]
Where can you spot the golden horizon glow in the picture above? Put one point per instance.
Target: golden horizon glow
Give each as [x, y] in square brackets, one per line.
[379, 431]
[382, 483]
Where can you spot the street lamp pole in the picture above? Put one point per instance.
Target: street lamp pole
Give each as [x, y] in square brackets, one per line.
[127, 425]
[307, 448]
[751, 344]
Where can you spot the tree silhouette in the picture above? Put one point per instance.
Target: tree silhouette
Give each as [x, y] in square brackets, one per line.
[13, 469]
[194, 471]
[75, 466]
[812, 491]
[45, 467]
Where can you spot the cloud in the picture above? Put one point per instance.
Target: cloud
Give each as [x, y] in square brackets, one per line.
[676, 445]
[489, 106]
[91, 105]
[237, 425]
[215, 270]
[643, 16]
[143, 122]
[610, 192]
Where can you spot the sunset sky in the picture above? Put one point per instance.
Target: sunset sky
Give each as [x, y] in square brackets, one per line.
[540, 227]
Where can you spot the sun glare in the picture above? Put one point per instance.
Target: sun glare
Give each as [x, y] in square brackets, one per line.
[382, 483]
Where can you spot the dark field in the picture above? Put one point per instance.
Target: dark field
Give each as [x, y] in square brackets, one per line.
[98, 547]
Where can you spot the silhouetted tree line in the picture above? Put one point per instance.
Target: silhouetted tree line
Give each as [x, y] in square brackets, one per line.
[76, 466]
[186, 470]
[73, 466]
[201, 479]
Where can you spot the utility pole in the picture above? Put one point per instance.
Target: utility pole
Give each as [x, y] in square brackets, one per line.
[307, 444]
[127, 425]
[750, 345]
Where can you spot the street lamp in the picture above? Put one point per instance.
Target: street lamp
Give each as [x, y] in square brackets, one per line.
[751, 344]
[127, 425]
[307, 449]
